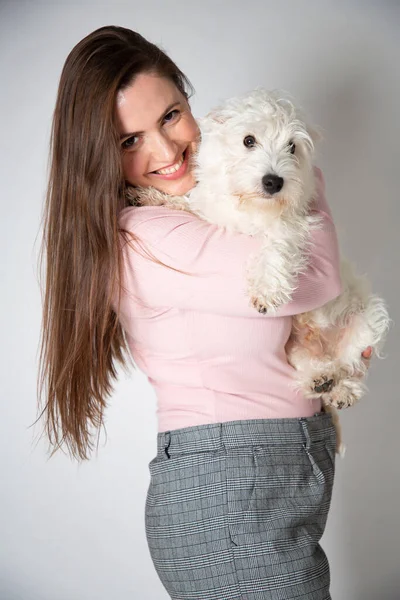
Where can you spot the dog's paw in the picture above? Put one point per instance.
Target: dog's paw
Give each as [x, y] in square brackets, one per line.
[258, 305]
[319, 384]
[262, 305]
[269, 303]
[345, 393]
[323, 384]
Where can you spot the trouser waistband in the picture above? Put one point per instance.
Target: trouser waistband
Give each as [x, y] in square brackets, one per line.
[231, 434]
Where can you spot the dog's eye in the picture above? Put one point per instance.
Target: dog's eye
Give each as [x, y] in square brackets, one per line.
[292, 147]
[249, 141]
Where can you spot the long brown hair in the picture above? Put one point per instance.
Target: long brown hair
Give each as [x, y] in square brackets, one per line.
[81, 337]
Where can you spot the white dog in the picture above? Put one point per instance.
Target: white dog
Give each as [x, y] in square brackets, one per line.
[255, 174]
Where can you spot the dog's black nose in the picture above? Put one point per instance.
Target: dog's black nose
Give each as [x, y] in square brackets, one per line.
[272, 183]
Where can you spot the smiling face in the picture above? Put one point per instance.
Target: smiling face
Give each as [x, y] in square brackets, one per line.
[157, 133]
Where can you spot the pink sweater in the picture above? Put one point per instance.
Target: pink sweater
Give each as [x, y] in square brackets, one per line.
[210, 356]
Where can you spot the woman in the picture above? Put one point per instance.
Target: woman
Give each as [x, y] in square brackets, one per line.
[242, 480]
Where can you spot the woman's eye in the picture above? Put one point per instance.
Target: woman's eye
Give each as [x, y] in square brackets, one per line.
[170, 113]
[292, 147]
[128, 143]
[249, 141]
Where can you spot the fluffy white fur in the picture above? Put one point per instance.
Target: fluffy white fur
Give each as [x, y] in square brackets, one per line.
[250, 147]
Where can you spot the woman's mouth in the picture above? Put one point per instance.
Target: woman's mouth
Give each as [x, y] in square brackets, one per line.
[175, 171]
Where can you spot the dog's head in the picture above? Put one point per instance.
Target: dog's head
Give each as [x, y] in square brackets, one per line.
[258, 148]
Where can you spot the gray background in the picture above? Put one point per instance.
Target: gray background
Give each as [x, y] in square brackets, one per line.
[77, 532]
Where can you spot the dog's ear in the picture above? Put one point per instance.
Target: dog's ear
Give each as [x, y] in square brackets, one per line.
[315, 133]
[216, 116]
[212, 122]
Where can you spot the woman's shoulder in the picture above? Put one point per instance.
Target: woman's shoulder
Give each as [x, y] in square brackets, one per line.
[155, 220]
[182, 233]
[187, 239]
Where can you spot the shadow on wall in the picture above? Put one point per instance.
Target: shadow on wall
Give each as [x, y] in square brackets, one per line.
[356, 104]
[358, 139]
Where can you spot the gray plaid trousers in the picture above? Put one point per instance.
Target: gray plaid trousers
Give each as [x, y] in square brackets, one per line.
[235, 510]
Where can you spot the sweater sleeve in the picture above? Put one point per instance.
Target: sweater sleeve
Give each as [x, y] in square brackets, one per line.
[214, 262]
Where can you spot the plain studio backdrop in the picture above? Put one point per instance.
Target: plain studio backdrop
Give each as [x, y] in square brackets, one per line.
[76, 532]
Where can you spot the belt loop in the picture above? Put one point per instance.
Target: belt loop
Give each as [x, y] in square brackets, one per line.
[221, 435]
[306, 434]
[167, 442]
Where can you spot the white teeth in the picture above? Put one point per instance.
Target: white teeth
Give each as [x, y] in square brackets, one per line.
[171, 169]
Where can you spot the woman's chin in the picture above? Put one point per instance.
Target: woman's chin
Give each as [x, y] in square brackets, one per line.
[177, 187]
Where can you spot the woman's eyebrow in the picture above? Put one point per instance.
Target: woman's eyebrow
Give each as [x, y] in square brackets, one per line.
[134, 133]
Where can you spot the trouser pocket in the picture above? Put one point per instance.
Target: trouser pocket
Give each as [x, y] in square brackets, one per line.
[278, 491]
[277, 511]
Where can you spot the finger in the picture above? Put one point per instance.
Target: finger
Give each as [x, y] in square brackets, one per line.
[367, 352]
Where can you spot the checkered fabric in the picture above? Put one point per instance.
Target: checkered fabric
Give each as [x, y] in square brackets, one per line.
[235, 510]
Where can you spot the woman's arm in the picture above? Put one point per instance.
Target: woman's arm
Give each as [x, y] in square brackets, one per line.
[217, 259]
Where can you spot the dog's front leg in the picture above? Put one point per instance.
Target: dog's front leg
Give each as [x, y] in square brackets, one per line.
[272, 274]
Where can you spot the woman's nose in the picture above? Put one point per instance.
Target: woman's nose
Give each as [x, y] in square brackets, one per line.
[163, 151]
